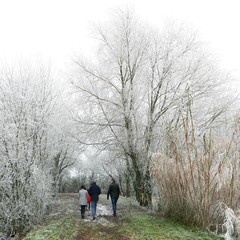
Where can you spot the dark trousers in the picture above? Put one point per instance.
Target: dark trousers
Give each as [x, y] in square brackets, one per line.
[83, 207]
[114, 206]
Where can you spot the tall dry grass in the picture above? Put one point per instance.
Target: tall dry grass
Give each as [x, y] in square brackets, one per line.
[199, 179]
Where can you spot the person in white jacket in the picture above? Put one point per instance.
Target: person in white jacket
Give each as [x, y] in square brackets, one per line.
[83, 195]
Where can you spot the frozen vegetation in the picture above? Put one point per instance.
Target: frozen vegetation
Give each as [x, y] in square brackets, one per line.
[153, 110]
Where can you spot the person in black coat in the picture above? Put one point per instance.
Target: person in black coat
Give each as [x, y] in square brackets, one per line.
[94, 191]
[114, 192]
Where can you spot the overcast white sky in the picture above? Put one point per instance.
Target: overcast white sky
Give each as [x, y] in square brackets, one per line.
[54, 29]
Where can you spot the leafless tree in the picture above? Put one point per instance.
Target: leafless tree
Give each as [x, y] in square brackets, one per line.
[140, 81]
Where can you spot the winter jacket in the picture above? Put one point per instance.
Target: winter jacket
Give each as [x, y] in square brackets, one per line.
[113, 191]
[89, 199]
[83, 195]
[94, 191]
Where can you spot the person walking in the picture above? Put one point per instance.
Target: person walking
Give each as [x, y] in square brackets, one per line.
[89, 201]
[114, 192]
[94, 191]
[83, 195]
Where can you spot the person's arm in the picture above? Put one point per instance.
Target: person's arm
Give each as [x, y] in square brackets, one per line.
[89, 191]
[109, 189]
[118, 189]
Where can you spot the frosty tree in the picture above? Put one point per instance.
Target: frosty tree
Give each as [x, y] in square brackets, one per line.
[138, 84]
[30, 141]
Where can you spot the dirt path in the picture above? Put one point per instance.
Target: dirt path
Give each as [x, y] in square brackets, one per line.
[67, 204]
[104, 227]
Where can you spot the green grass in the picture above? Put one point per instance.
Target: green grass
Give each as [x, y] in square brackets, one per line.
[65, 228]
[138, 226]
[145, 226]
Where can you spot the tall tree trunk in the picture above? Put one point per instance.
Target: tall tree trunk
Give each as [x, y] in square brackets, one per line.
[142, 184]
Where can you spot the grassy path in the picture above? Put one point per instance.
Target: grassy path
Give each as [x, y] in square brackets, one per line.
[64, 223]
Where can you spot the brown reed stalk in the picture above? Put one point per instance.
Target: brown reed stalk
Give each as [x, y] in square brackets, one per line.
[196, 178]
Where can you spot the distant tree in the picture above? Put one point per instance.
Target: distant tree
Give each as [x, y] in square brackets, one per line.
[61, 162]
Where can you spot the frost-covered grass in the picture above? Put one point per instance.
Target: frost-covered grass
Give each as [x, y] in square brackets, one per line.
[133, 222]
[138, 226]
[144, 226]
[64, 228]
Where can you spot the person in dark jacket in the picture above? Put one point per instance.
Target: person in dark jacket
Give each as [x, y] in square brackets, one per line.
[114, 192]
[94, 191]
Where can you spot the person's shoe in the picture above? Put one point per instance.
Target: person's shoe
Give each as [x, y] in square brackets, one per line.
[82, 217]
[94, 218]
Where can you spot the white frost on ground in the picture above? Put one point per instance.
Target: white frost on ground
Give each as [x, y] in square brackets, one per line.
[102, 212]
